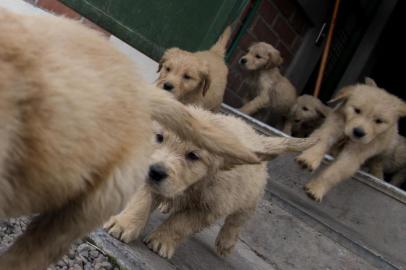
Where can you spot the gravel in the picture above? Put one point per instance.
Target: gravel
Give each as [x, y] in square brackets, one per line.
[82, 255]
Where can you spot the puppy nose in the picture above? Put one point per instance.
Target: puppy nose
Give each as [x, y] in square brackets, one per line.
[168, 86]
[358, 132]
[243, 61]
[157, 172]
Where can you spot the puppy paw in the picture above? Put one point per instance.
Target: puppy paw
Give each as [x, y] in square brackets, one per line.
[308, 162]
[224, 245]
[163, 245]
[164, 207]
[123, 228]
[315, 190]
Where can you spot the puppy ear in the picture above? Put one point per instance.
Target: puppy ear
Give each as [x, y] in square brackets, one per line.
[402, 111]
[370, 81]
[274, 59]
[206, 81]
[322, 111]
[166, 56]
[341, 97]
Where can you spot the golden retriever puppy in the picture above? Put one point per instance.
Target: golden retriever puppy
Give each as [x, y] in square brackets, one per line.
[75, 132]
[392, 162]
[366, 120]
[197, 78]
[200, 187]
[273, 90]
[306, 115]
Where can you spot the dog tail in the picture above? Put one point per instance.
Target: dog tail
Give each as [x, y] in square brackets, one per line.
[220, 46]
[274, 146]
[175, 116]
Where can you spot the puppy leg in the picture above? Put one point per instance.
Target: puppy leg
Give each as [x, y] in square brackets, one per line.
[50, 235]
[375, 166]
[165, 207]
[176, 229]
[229, 233]
[328, 134]
[346, 165]
[259, 102]
[399, 178]
[129, 224]
[288, 127]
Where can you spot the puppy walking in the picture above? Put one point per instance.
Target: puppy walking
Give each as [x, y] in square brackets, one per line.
[200, 187]
[197, 78]
[273, 90]
[366, 120]
[75, 133]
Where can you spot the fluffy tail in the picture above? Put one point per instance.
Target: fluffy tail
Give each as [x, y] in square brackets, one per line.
[274, 146]
[173, 115]
[220, 46]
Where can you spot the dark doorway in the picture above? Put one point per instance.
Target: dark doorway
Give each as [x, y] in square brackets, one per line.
[386, 63]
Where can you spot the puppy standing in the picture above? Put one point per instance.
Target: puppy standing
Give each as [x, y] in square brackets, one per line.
[197, 78]
[272, 89]
[75, 132]
[306, 115]
[200, 187]
[366, 119]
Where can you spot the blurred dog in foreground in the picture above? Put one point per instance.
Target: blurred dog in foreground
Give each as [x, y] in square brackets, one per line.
[75, 135]
[197, 78]
[200, 187]
[366, 121]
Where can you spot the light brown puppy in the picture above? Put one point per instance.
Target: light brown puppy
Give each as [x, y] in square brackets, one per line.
[393, 161]
[75, 132]
[366, 120]
[272, 90]
[200, 187]
[306, 115]
[197, 78]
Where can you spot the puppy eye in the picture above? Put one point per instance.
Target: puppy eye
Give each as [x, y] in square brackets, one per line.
[378, 121]
[192, 156]
[186, 77]
[159, 138]
[257, 56]
[305, 108]
[168, 69]
[357, 111]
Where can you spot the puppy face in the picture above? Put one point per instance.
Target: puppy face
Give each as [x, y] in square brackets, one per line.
[176, 165]
[181, 73]
[260, 56]
[307, 108]
[369, 111]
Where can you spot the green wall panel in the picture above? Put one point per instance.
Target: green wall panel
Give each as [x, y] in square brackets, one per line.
[152, 26]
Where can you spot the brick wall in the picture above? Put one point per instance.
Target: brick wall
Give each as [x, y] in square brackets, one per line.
[281, 23]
